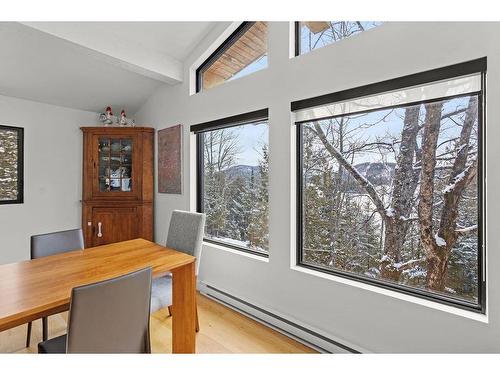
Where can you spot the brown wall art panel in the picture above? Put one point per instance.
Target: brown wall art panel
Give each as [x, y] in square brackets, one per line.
[170, 160]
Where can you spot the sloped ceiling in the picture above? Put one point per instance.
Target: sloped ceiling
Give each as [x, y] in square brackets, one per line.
[88, 66]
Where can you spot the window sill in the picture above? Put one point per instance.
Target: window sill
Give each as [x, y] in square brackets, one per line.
[483, 318]
[262, 258]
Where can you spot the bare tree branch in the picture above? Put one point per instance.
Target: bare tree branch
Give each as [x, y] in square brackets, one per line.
[468, 230]
[365, 184]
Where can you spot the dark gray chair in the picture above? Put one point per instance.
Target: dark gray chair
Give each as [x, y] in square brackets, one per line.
[43, 245]
[110, 316]
[185, 234]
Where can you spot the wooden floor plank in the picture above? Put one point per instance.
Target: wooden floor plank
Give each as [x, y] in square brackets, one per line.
[222, 330]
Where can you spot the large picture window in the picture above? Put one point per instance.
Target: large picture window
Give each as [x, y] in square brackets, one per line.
[243, 53]
[311, 35]
[390, 186]
[233, 181]
[11, 164]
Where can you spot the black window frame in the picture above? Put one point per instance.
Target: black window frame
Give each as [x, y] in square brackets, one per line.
[20, 164]
[297, 38]
[422, 78]
[242, 29]
[223, 123]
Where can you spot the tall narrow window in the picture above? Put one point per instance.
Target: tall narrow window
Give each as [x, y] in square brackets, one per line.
[11, 164]
[233, 181]
[243, 53]
[312, 35]
[390, 186]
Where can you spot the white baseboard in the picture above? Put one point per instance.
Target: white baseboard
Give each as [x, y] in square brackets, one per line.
[297, 330]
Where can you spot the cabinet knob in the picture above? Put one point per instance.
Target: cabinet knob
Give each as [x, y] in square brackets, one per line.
[99, 229]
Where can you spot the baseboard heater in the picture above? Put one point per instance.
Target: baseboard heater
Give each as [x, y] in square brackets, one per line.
[291, 329]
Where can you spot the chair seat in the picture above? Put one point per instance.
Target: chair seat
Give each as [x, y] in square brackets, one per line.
[161, 293]
[57, 345]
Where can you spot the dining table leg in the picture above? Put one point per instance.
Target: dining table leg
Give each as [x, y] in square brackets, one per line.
[184, 309]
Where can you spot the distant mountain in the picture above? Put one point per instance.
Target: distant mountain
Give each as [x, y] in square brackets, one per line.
[377, 173]
[244, 171]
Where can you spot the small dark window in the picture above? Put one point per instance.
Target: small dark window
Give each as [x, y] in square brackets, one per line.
[310, 35]
[243, 53]
[11, 164]
[233, 175]
[390, 184]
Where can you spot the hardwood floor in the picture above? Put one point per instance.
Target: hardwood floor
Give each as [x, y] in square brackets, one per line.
[222, 330]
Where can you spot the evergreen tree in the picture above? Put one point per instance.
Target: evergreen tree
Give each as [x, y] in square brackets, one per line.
[258, 228]
[239, 206]
[220, 150]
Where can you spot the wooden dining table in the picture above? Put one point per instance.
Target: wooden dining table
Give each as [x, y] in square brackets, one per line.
[36, 288]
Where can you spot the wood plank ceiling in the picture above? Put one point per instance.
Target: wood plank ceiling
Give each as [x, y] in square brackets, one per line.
[249, 47]
[317, 26]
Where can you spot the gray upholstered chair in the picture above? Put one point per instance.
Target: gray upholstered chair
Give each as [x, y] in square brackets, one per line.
[43, 245]
[110, 316]
[185, 234]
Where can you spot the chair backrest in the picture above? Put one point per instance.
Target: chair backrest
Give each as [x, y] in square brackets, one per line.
[43, 245]
[185, 233]
[111, 316]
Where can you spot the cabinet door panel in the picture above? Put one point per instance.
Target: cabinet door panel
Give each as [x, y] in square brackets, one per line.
[115, 164]
[114, 225]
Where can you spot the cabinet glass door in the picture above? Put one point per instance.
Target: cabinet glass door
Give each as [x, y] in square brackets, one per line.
[115, 164]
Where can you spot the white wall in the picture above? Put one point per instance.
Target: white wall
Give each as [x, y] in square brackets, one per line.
[52, 173]
[367, 318]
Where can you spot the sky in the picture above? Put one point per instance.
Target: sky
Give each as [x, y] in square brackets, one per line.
[258, 64]
[251, 139]
[321, 42]
[393, 125]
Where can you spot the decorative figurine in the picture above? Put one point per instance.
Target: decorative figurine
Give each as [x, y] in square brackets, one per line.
[107, 116]
[123, 118]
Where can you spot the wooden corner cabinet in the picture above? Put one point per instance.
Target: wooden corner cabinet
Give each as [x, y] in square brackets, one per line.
[117, 194]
